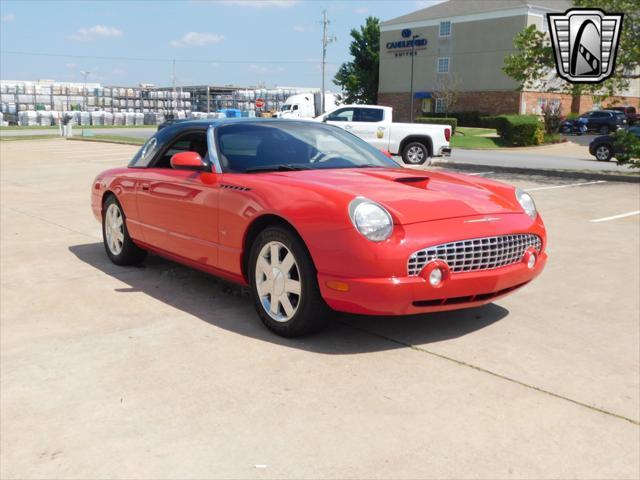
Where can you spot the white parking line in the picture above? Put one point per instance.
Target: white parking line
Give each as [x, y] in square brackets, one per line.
[565, 186]
[480, 173]
[614, 217]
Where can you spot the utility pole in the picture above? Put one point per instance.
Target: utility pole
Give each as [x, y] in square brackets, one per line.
[85, 73]
[325, 42]
[413, 54]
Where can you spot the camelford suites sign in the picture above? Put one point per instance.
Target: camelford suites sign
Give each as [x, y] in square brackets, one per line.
[401, 48]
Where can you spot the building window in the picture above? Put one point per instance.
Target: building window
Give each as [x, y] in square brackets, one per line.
[443, 65]
[440, 105]
[445, 29]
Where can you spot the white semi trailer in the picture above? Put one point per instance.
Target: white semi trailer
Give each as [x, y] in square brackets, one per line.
[307, 105]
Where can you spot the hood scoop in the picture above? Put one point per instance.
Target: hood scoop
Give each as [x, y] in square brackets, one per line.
[420, 182]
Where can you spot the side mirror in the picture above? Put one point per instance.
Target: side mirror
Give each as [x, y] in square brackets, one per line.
[324, 119]
[188, 161]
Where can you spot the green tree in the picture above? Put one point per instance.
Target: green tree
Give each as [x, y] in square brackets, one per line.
[534, 61]
[629, 144]
[359, 77]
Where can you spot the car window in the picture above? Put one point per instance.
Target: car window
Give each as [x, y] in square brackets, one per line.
[599, 114]
[368, 115]
[263, 145]
[145, 154]
[188, 142]
[342, 115]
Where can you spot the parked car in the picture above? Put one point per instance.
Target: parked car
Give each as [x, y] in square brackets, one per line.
[629, 112]
[604, 148]
[602, 121]
[311, 217]
[415, 142]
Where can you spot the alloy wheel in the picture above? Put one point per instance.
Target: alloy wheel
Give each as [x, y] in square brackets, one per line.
[415, 155]
[278, 281]
[602, 153]
[114, 229]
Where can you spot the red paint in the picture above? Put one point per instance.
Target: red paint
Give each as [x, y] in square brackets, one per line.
[202, 218]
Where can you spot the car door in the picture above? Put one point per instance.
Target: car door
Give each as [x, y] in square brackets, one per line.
[597, 120]
[343, 118]
[178, 209]
[369, 125]
[364, 122]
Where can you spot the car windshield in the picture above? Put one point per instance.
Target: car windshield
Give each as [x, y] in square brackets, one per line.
[290, 145]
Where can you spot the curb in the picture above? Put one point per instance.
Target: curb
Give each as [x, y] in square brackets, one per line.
[100, 140]
[631, 177]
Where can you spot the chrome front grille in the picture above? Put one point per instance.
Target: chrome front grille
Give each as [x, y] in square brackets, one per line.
[475, 254]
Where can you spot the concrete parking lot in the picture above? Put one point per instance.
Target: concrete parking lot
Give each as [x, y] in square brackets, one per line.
[163, 372]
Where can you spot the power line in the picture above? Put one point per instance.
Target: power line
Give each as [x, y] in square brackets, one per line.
[157, 59]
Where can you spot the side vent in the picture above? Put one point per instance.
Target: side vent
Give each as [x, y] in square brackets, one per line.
[234, 187]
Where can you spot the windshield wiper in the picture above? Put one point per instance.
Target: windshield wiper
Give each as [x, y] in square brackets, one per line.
[277, 168]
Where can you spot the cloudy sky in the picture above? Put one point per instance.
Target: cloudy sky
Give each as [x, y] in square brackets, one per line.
[243, 42]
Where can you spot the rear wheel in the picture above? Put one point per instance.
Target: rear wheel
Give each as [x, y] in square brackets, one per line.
[604, 152]
[118, 244]
[415, 153]
[284, 285]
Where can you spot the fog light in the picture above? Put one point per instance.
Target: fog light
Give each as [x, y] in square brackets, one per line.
[532, 261]
[435, 277]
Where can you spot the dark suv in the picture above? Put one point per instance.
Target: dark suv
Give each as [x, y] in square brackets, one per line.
[604, 121]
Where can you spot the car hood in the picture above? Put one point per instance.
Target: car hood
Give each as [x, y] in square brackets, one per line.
[413, 196]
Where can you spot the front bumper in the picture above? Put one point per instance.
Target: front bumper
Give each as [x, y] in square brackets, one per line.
[411, 295]
[375, 280]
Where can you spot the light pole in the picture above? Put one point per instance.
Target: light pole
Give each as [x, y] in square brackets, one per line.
[325, 41]
[413, 53]
[85, 73]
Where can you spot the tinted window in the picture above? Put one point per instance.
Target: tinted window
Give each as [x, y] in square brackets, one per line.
[342, 115]
[368, 115]
[262, 145]
[599, 114]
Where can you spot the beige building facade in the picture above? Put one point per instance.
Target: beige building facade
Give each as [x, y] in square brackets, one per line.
[460, 45]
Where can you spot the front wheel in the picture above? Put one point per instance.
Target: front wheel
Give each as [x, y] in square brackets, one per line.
[415, 153]
[120, 248]
[604, 153]
[284, 284]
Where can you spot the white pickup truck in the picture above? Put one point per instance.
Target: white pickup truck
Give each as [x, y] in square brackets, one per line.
[415, 142]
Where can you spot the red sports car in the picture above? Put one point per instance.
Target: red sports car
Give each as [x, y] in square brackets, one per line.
[310, 216]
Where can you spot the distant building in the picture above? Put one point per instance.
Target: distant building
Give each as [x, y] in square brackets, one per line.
[468, 41]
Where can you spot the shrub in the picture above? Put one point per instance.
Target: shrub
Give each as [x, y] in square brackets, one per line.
[630, 146]
[465, 119]
[489, 122]
[519, 130]
[440, 121]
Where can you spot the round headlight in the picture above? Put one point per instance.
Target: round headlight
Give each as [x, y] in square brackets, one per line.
[526, 202]
[371, 219]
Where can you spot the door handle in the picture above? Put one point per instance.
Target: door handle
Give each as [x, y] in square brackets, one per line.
[144, 186]
[348, 127]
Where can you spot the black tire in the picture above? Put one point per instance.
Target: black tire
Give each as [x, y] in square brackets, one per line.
[129, 253]
[311, 312]
[415, 153]
[604, 130]
[603, 152]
